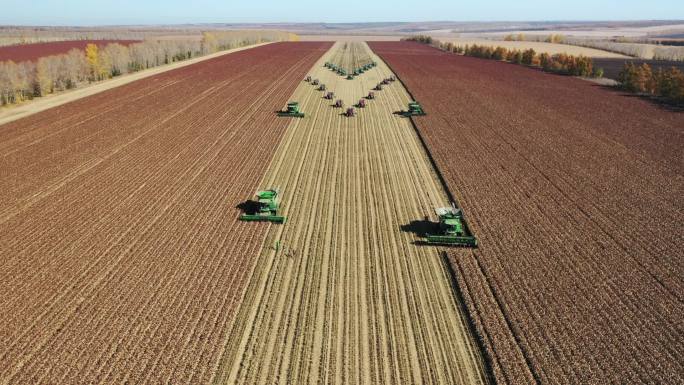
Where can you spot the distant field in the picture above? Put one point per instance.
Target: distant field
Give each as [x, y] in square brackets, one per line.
[33, 52]
[549, 48]
[349, 37]
[612, 67]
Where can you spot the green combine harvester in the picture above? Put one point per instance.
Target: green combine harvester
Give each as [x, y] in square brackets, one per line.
[453, 229]
[292, 110]
[265, 208]
[414, 109]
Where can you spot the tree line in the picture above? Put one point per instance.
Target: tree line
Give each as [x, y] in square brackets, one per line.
[27, 80]
[667, 84]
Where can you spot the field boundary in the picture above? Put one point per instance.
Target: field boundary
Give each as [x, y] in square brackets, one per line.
[16, 112]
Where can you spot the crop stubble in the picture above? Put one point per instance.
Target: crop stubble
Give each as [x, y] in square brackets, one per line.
[576, 195]
[340, 294]
[122, 256]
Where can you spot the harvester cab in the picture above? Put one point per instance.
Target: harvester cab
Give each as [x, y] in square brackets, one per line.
[292, 110]
[265, 208]
[414, 109]
[453, 229]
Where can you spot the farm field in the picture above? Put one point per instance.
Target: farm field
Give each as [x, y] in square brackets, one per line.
[32, 52]
[123, 260]
[539, 47]
[575, 193]
[341, 295]
[612, 67]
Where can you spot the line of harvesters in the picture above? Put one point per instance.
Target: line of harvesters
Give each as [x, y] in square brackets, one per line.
[452, 230]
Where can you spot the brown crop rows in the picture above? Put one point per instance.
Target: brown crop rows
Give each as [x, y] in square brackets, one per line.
[576, 194]
[32, 52]
[122, 257]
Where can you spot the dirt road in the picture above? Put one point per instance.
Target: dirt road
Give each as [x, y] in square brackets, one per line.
[340, 294]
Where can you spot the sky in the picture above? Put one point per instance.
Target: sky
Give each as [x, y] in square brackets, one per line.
[98, 12]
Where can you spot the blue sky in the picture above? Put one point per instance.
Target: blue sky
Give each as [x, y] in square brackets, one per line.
[93, 12]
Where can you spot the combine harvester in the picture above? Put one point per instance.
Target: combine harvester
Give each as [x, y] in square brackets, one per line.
[265, 208]
[453, 229]
[292, 111]
[414, 109]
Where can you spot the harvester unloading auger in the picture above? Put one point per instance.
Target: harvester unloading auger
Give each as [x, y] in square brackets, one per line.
[292, 110]
[453, 229]
[265, 208]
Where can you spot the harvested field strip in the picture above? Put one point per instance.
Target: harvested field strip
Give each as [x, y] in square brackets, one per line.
[576, 195]
[351, 55]
[126, 263]
[340, 294]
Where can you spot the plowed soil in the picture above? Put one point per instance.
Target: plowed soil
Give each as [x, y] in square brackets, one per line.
[122, 257]
[341, 295]
[576, 194]
[33, 52]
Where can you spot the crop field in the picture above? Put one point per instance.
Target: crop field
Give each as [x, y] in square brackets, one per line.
[575, 193]
[32, 52]
[340, 293]
[122, 257]
[612, 67]
[351, 55]
[539, 47]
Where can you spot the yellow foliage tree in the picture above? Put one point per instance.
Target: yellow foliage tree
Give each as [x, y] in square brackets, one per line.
[93, 57]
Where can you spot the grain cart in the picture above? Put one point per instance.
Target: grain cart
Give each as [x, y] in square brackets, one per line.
[265, 208]
[453, 229]
[292, 110]
[414, 109]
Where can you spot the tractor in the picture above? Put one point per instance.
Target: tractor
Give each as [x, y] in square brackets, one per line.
[414, 109]
[292, 110]
[265, 208]
[350, 112]
[453, 229]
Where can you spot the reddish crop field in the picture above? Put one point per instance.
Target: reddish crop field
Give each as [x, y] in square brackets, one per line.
[577, 196]
[122, 257]
[33, 52]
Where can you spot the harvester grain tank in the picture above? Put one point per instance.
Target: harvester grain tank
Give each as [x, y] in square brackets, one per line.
[292, 110]
[453, 229]
[265, 208]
